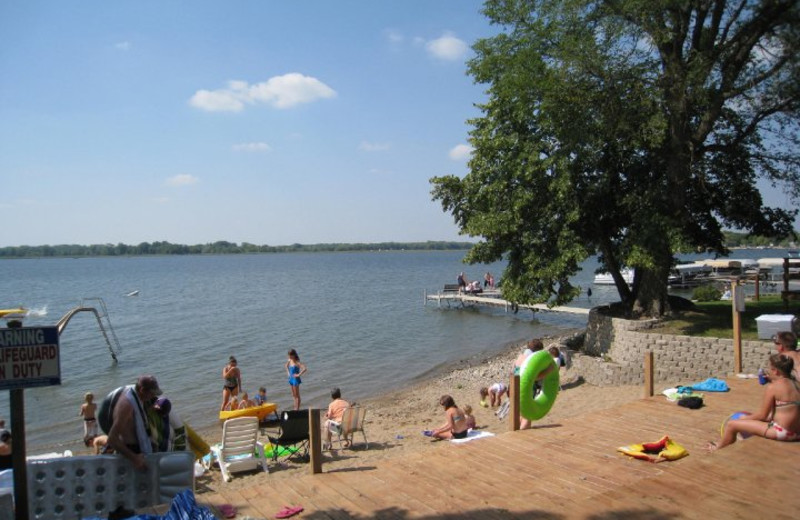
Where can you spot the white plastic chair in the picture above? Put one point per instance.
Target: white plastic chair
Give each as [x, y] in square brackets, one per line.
[240, 449]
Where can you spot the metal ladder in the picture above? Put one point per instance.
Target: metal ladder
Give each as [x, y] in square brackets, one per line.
[103, 320]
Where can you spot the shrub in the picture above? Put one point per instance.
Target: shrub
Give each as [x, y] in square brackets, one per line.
[707, 293]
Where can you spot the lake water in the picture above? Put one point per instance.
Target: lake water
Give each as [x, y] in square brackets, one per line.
[357, 320]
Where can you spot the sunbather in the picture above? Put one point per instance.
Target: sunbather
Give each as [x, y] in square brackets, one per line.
[779, 416]
[456, 425]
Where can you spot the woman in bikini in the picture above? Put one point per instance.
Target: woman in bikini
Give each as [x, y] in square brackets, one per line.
[456, 425]
[232, 382]
[779, 416]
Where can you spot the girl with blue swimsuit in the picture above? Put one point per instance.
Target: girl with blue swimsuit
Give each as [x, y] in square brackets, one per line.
[295, 369]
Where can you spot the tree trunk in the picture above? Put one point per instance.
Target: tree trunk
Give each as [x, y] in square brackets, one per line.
[651, 296]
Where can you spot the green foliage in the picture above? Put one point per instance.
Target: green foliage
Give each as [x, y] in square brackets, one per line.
[216, 248]
[706, 293]
[626, 130]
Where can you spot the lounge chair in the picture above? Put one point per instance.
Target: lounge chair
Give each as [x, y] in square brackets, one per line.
[239, 449]
[293, 434]
[352, 421]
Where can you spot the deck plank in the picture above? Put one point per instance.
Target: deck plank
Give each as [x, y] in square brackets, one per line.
[568, 470]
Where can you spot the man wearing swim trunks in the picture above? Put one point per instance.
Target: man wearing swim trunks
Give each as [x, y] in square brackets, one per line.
[129, 435]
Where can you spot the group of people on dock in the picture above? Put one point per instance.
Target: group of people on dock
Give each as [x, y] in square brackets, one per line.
[474, 287]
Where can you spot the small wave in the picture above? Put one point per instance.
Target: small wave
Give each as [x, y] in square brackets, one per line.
[38, 313]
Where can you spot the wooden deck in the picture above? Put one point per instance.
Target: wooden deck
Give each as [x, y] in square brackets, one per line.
[569, 470]
[493, 299]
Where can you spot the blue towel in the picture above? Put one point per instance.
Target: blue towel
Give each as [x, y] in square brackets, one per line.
[711, 385]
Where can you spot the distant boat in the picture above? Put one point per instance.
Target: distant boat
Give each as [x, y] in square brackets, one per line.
[14, 314]
[133, 293]
[607, 279]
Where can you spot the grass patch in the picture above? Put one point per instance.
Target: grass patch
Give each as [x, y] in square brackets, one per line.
[715, 319]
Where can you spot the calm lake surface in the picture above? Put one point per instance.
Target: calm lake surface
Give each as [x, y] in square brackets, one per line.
[357, 320]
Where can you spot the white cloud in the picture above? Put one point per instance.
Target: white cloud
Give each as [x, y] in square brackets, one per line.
[161, 200]
[281, 92]
[373, 147]
[394, 36]
[447, 47]
[461, 152]
[183, 179]
[123, 46]
[251, 147]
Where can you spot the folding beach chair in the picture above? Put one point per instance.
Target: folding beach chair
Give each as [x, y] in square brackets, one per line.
[293, 433]
[352, 421]
[239, 449]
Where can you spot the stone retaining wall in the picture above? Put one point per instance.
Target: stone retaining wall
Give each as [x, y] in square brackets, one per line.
[614, 349]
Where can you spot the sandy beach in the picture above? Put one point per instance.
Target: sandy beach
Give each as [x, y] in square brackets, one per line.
[395, 421]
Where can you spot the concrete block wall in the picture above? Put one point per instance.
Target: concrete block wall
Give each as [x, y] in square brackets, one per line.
[614, 350]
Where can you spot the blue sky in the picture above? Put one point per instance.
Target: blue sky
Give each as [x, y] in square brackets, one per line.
[249, 121]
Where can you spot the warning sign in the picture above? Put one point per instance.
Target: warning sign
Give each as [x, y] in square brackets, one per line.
[29, 357]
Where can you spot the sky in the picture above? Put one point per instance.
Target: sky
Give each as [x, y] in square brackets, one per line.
[268, 122]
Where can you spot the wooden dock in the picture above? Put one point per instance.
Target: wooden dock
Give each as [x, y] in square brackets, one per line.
[493, 299]
[568, 470]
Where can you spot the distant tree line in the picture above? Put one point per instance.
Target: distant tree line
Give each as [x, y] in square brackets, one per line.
[215, 248]
[733, 239]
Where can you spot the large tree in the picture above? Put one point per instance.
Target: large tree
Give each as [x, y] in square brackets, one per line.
[626, 129]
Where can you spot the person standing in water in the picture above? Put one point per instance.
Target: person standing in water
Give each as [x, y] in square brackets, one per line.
[295, 369]
[232, 381]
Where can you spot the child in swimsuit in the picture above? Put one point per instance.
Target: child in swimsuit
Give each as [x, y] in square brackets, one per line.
[88, 410]
[779, 416]
[295, 369]
[494, 394]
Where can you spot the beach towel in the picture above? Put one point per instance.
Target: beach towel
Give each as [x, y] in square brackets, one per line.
[472, 435]
[659, 451]
[674, 395]
[140, 419]
[709, 385]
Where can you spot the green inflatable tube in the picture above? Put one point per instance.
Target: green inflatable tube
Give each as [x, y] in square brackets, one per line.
[534, 408]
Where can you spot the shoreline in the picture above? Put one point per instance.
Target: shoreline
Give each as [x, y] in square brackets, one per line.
[395, 419]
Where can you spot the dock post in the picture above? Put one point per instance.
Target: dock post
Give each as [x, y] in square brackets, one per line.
[314, 437]
[514, 407]
[648, 374]
[737, 301]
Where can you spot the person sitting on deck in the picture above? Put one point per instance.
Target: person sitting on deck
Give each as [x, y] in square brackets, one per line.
[779, 415]
[473, 287]
[786, 345]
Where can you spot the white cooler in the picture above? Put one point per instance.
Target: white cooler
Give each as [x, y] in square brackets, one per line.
[771, 324]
